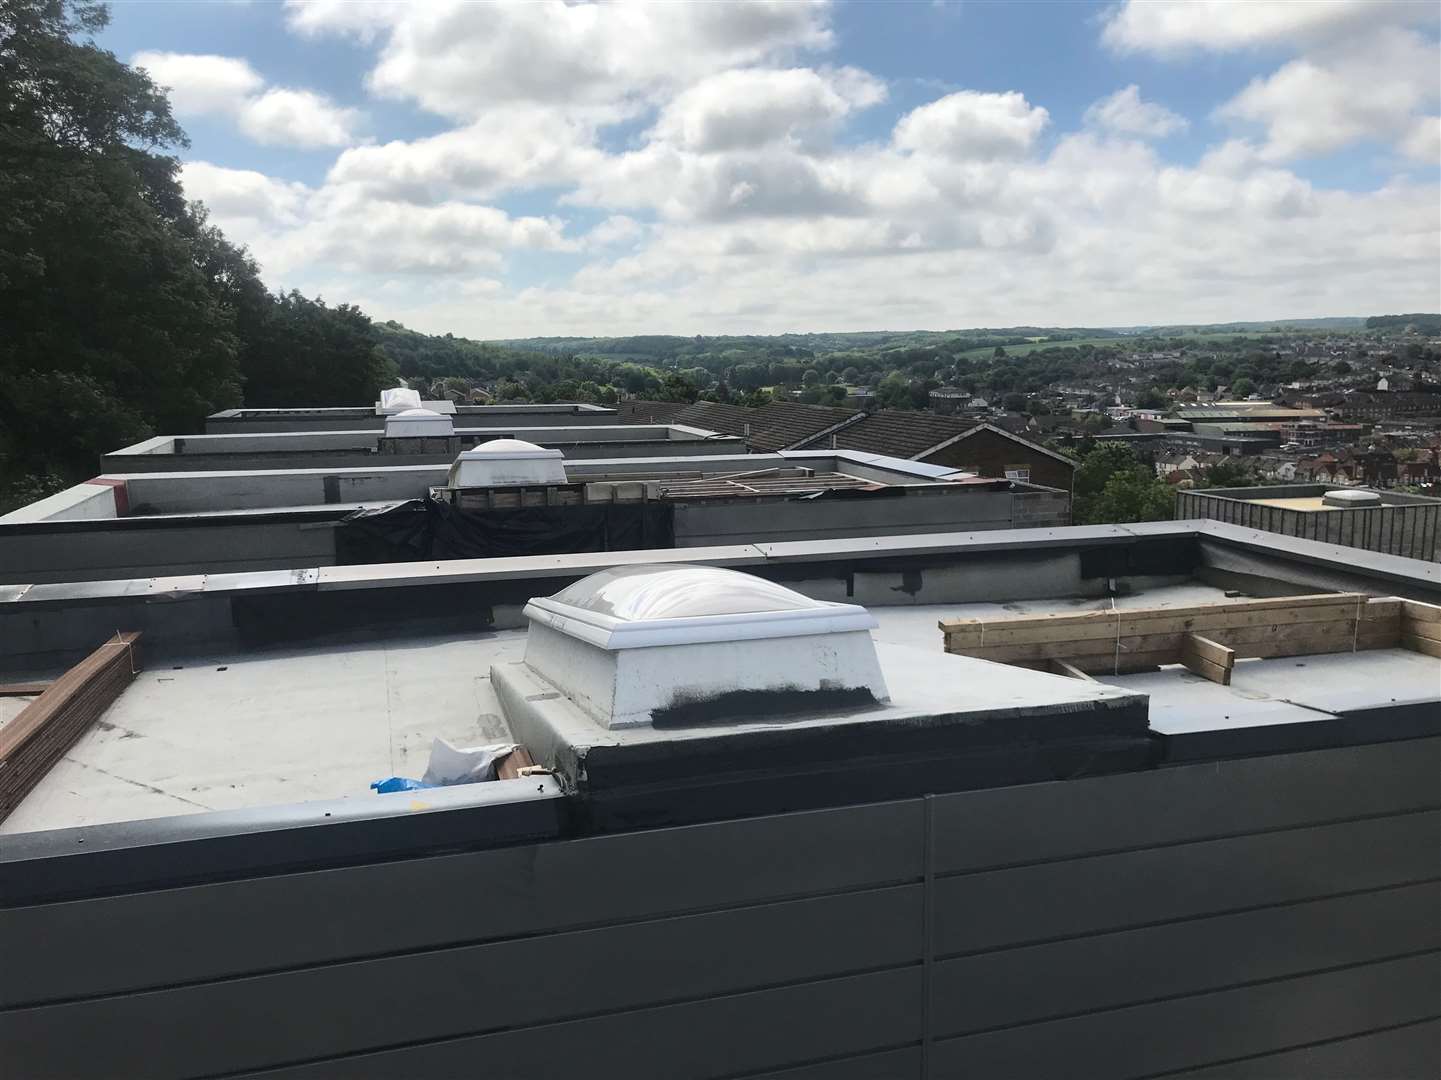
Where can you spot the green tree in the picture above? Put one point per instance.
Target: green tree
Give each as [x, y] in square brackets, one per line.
[1243, 387]
[302, 352]
[103, 295]
[1131, 495]
[1230, 472]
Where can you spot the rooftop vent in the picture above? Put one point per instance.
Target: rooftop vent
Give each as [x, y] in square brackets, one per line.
[399, 398]
[418, 423]
[507, 462]
[687, 645]
[1351, 497]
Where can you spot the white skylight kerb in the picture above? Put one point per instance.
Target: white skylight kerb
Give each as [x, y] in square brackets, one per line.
[418, 423]
[507, 462]
[700, 644]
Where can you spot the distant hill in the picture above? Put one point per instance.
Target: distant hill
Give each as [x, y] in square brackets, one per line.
[1423, 323]
[650, 346]
[663, 345]
[1342, 322]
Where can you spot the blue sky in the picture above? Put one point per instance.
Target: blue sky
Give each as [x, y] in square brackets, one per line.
[507, 169]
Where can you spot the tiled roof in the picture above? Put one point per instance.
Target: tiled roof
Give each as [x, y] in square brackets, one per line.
[648, 412]
[898, 433]
[712, 415]
[783, 424]
[775, 426]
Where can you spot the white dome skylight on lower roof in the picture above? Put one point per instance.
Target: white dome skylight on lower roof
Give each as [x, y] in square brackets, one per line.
[642, 606]
[409, 423]
[507, 462]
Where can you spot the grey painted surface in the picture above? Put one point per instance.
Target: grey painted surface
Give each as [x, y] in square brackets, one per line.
[141, 547]
[710, 523]
[53, 624]
[1213, 917]
[1410, 527]
[237, 421]
[358, 449]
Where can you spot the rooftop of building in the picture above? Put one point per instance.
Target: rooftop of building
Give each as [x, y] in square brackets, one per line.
[340, 448]
[1311, 497]
[902, 433]
[276, 697]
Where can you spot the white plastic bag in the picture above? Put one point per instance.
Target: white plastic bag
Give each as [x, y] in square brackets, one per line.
[399, 397]
[450, 765]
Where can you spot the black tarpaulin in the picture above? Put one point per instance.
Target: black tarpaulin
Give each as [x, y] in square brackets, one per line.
[432, 529]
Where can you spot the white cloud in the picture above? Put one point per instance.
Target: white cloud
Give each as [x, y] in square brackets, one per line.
[502, 150]
[201, 84]
[1172, 26]
[243, 199]
[225, 85]
[295, 229]
[1370, 86]
[971, 125]
[297, 118]
[1126, 114]
[462, 59]
[745, 200]
[749, 108]
[614, 232]
[1423, 141]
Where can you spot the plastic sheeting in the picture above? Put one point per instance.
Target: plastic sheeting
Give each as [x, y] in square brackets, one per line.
[432, 529]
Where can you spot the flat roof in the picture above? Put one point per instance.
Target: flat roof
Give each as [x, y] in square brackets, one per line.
[238, 729]
[1306, 502]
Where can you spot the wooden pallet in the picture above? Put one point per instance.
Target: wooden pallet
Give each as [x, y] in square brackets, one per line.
[1206, 638]
[64, 710]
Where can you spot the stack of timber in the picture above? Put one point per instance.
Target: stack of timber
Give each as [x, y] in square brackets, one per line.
[1207, 638]
[47, 727]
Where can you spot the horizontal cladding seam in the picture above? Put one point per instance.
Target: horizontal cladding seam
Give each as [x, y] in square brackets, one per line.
[466, 943]
[1275, 905]
[1139, 1003]
[811, 1063]
[1424, 808]
[581, 1017]
[1350, 1037]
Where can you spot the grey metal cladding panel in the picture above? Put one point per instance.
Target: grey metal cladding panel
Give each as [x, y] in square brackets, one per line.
[1025, 985]
[1412, 1052]
[1208, 1028]
[1007, 826]
[718, 1037]
[1032, 904]
[264, 1020]
[85, 947]
[888, 1065]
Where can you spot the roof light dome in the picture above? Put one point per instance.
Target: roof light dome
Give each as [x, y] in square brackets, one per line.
[1351, 497]
[507, 462]
[412, 423]
[677, 592]
[683, 644]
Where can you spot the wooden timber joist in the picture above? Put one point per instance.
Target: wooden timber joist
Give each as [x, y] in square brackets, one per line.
[64, 710]
[1207, 638]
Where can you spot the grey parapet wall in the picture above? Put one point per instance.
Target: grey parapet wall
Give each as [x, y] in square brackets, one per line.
[1273, 916]
[1408, 525]
[54, 624]
[362, 447]
[161, 524]
[237, 421]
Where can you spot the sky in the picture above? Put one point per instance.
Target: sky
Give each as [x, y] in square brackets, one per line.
[554, 169]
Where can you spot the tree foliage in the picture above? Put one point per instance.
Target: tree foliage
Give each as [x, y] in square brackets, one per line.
[1113, 487]
[122, 311]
